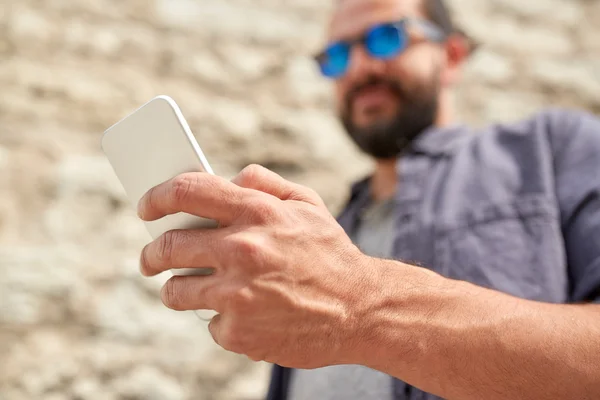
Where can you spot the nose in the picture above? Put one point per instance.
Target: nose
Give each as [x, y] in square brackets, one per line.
[363, 64]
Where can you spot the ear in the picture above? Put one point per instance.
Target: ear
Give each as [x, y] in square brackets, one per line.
[457, 50]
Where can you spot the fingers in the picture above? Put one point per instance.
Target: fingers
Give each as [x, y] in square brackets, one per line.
[215, 327]
[183, 293]
[261, 179]
[201, 194]
[184, 249]
[228, 333]
[209, 196]
[221, 328]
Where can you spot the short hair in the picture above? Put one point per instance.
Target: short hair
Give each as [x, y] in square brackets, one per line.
[438, 13]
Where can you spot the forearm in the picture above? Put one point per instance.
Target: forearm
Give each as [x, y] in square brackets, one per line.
[461, 341]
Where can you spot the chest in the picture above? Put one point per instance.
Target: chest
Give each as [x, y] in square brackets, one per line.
[483, 229]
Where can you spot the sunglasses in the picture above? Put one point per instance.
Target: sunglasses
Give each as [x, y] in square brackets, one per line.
[382, 41]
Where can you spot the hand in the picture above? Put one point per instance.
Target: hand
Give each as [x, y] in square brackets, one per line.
[288, 282]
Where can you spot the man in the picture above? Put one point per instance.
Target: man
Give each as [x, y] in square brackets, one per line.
[466, 267]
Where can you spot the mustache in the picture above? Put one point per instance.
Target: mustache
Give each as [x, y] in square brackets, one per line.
[391, 84]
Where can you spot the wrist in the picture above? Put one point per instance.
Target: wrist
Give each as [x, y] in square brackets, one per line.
[391, 315]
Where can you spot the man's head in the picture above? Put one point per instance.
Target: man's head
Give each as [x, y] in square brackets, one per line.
[403, 57]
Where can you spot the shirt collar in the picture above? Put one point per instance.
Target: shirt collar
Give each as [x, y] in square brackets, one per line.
[437, 141]
[433, 141]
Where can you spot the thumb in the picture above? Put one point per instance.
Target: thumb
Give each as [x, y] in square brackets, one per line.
[259, 178]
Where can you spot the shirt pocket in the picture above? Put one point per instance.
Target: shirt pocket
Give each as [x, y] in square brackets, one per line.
[515, 247]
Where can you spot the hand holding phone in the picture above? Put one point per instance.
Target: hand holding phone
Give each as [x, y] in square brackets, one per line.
[150, 146]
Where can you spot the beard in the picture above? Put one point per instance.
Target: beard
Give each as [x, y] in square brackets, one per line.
[388, 138]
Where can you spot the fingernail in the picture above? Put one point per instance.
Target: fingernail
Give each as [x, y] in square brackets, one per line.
[164, 298]
[141, 262]
[139, 210]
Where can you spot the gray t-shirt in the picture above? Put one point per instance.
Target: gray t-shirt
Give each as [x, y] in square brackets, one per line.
[374, 236]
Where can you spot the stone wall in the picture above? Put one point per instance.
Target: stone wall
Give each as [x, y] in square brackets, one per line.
[76, 319]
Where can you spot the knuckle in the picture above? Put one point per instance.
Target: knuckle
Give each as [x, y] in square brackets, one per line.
[248, 248]
[263, 210]
[253, 170]
[182, 187]
[314, 195]
[248, 174]
[165, 246]
[172, 294]
[309, 195]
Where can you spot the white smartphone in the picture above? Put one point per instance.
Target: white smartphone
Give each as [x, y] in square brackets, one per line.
[150, 146]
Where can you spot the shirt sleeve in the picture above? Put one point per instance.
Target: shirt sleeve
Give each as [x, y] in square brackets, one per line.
[575, 142]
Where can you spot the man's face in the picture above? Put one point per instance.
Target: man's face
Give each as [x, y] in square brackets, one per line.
[385, 104]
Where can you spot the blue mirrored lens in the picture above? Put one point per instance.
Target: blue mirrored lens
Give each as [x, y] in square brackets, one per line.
[335, 60]
[385, 41]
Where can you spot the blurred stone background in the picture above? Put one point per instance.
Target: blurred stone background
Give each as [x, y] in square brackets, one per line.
[76, 319]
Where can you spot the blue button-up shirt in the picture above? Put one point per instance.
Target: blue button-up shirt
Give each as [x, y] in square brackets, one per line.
[513, 207]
